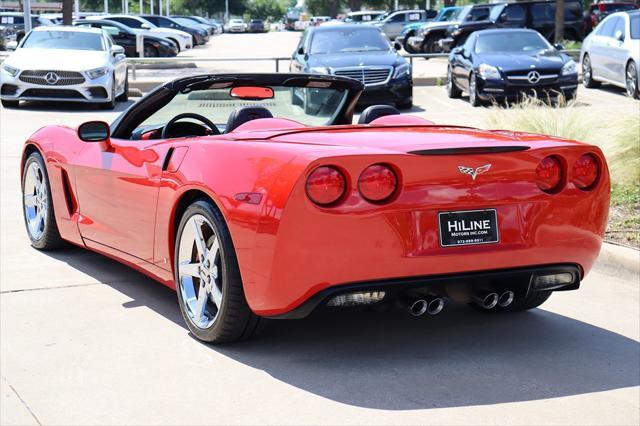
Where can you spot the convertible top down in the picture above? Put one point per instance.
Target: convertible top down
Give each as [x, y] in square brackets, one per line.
[255, 196]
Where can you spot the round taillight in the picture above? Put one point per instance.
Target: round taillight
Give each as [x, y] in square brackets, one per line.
[586, 171]
[326, 185]
[377, 183]
[549, 174]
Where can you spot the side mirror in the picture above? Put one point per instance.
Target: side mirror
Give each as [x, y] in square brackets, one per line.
[145, 27]
[619, 35]
[94, 131]
[12, 45]
[397, 45]
[301, 51]
[558, 46]
[117, 50]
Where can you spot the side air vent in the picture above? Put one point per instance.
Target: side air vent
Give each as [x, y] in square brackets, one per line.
[470, 150]
[72, 205]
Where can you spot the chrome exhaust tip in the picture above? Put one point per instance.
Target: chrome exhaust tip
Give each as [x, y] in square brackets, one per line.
[487, 301]
[418, 307]
[506, 299]
[435, 305]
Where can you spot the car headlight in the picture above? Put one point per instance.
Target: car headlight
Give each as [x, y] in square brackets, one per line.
[11, 70]
[487, 71]
[569, 68]
[97, 73]
[320, 70]
[402, 70]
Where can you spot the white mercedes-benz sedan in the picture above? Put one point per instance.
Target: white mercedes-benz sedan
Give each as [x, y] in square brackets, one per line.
[69, 64]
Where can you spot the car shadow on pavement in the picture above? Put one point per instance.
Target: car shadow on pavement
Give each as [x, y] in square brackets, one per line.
[389, 360]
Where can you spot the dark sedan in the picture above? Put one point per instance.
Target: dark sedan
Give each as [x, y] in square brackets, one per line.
[126, 37]
[256, 26]
[507, 64]
[198, 34]
[361, 52]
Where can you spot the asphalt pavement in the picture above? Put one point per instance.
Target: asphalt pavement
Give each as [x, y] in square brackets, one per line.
[85, 340]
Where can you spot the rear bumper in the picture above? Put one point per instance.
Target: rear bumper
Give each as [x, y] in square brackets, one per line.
[460, 286]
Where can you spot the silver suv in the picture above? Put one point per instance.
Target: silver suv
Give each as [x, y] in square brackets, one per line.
[611, 53]
[392, 23]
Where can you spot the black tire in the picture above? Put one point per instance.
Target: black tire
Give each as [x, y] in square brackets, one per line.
[431, 45]
[151, 52]
[474, 100]
[111, 104]
[10, 104]
[50, 238]
[235, 321]
[124, 97]
[406, 46]
[587, 74]
[453, 91]
[404, 105]
[631, 80]
[176, 43]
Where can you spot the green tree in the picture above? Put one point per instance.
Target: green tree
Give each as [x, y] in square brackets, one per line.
[266, 8]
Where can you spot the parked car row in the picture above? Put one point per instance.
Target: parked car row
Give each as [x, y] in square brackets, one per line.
[238, 25]
[538, 15]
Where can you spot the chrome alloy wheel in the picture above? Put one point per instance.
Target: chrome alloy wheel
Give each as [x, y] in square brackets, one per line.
[35, 200]
[631, 80]
[200, 271]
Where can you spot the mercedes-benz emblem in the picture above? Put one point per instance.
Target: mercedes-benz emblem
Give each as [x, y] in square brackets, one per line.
[51, 78]
[533, 77]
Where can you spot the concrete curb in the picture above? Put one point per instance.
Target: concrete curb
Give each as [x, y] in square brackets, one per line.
[616, 257]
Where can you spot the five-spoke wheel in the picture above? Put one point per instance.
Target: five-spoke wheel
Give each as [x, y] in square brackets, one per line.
[208, 283]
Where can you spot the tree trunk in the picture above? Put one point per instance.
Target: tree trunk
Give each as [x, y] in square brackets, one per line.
[559, 32]
[67, 12]
[333, 8]
[355, 5]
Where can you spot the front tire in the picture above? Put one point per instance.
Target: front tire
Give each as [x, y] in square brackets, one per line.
[452, 90]
[124, 97]
[37, 205]
[587, 74]
[631, 80]
[111, 104]
[208, 283]
[474, 99]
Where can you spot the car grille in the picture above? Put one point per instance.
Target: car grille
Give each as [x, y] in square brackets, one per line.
[52, 78]
[52, 93]
[522, 77]
[369, 76]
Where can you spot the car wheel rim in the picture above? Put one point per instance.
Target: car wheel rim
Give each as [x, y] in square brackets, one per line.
[35, 200]
[631, 80]
[200, 272]
[587, 70]
[472, 89]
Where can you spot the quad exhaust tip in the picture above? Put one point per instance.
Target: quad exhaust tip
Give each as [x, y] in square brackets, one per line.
[487, 301]
[506, 299]
[430, 305]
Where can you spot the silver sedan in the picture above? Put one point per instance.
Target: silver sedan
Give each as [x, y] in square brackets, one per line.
[68, 64]
[611, 53]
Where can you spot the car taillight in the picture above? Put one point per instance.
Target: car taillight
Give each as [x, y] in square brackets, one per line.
[326, 185]
[586, 171]
[549, 174]
[377, 183]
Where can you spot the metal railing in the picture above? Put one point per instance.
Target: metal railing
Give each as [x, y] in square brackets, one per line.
[135, 62]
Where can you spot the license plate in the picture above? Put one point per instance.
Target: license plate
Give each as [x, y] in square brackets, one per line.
[469, 227]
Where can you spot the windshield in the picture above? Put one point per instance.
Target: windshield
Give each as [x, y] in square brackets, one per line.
[351, 40]
[447, 15]
[63, 40]
[186, 22]
[516, 42]
[309, 106]
[496, 11]
[464, 13]
[236, 21]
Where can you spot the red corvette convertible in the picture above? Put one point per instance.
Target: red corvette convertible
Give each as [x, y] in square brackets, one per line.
[255, 196]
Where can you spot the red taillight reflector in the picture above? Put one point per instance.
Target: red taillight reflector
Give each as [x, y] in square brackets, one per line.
[586, 171]
[377, 183]
[326, 185]
[549, 174]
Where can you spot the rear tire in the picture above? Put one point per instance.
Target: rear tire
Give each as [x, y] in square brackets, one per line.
[10, 104]
[431, 45]
[404, 105]
[587, 74]
[232, 319]
[37, 205]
